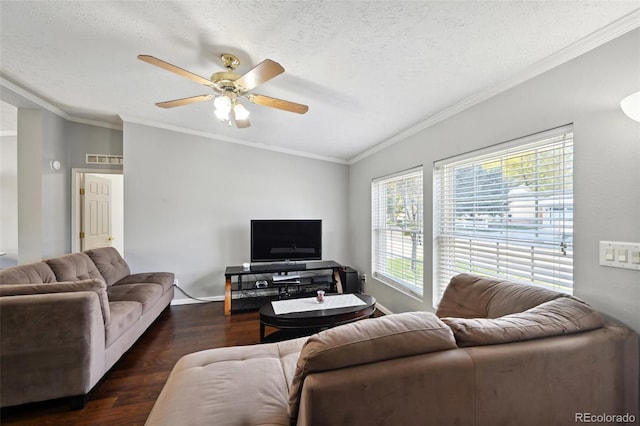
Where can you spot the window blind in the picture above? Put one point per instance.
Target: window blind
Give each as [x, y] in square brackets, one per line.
[397, 230]
[507, 213]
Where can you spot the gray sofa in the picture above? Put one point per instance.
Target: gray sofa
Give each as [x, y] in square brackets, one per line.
[65, 321]
[495, 353]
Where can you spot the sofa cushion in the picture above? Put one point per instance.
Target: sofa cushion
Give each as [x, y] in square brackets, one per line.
[110, 264]
[124, 315]
[96, 285]
[471, 296]
[146, 294]
[367, 341]
[564, 315]
[73, 267]
[32, 273]
[240, 385]
[165, 279]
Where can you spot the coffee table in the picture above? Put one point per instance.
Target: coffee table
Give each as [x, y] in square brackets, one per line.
[297, 324]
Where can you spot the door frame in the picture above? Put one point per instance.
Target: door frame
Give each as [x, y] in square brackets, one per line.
[76, 174]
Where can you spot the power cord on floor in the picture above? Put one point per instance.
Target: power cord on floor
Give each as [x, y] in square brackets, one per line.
[190, 296]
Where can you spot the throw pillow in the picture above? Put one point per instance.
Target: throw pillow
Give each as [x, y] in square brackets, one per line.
[564, 315]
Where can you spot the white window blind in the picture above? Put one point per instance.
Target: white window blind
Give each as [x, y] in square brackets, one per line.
[507, 214]
[397, 234]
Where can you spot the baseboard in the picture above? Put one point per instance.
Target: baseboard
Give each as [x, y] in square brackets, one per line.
[187, 301]
[382, 309]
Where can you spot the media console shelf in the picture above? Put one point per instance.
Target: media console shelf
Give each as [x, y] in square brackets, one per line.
[252, 288]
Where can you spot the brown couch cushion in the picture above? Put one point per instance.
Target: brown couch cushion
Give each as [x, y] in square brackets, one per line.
[146, 294]
[96, 285]
[73, 267]
[232, 386]
[471, 296]
[367, 341]
[164, 279]
[32, 273]
[110, 264]
[564, 315]
[124, 314]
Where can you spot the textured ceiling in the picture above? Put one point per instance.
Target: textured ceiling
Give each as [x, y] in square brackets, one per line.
[367, 69]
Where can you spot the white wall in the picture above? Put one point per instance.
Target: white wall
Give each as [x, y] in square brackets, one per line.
[585, 91]
[189, 200]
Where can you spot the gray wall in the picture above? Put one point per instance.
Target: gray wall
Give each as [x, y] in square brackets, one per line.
[36, 200]
[85, 139]
[43, 194]
[585, 91]
[56, 188]
[8, 199]
[189, 199]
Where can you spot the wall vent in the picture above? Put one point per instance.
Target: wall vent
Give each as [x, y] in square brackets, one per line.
[115, 160]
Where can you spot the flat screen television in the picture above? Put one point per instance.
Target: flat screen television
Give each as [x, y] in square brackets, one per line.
[286, 239]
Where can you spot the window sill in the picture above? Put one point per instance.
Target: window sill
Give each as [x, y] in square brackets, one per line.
[397, 287]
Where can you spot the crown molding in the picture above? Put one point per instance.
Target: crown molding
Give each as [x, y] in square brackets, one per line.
[612, 31]
[32, 98]
[258, 145]
[38, 101]
[97, 123]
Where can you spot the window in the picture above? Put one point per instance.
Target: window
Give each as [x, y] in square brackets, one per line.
[397, 234]
[507, 213]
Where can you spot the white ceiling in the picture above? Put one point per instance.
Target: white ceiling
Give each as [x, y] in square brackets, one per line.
[369, 70]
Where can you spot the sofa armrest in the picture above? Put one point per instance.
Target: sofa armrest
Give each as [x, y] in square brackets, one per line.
[51, 346]
[369, 341]
[427, 389]
[97, 285]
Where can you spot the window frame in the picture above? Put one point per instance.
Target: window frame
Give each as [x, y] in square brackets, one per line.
[546, 231]
[383, 261]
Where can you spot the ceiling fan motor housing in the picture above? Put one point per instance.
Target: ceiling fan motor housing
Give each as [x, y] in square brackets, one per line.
[223, 81]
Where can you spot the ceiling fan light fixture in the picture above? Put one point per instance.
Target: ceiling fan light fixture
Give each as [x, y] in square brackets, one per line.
[221, 115]
[222, 105]
[241, 112]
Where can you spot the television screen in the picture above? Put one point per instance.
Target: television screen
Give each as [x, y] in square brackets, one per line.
[282, 240]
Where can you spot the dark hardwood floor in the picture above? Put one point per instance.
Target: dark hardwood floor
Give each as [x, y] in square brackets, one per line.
[126, 394]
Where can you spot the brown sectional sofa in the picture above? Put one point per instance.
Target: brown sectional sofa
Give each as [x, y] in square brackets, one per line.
[495, 353]
[65, 321]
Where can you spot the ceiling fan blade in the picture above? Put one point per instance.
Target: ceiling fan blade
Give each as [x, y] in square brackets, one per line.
[174, 69]
[278, 103]
[261, 73]
[184, 101]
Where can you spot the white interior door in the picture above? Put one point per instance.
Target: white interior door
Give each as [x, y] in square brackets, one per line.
[96, 213]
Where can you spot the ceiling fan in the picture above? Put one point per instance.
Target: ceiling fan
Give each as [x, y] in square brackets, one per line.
[228, 87]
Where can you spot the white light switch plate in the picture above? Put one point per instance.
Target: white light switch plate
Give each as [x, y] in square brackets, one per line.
[618, 254]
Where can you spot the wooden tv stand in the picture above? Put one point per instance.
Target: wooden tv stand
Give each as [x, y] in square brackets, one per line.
[312, 274]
